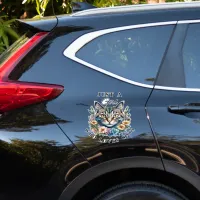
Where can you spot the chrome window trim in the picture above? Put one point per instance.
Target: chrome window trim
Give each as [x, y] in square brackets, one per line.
[189, 21]
[158, 87]
[74, 47]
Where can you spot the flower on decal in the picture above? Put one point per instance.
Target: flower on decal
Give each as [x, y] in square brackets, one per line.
[126, 122]
[103, 129]
[92, 118]
[94, 130]
[93, 122]
[121, 127]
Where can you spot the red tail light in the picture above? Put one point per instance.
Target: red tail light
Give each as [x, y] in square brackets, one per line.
[16, 94]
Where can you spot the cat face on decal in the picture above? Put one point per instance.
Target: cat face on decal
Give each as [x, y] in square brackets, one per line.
[109, 116]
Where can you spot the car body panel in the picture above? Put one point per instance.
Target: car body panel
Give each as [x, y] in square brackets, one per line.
[55, 132]
[75, 101]
[177, 133]
[73, 104]
[35, 154]
[40, 24]
[64, 73]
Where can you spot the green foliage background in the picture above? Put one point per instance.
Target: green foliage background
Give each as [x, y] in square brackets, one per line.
[22, 9]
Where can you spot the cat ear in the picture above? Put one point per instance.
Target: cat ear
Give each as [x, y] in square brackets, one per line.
[97, 105]
[120, 105]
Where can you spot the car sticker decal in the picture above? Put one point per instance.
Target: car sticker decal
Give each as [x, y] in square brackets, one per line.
[109, 119]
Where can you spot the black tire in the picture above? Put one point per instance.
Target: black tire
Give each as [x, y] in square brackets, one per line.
[141, 191]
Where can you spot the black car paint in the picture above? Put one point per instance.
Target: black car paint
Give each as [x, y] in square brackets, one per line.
[55, 139]
[35, 155]
[77, 101]
[40, 24]
[177, 132]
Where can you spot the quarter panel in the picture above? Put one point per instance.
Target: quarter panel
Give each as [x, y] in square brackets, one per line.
[45, 160]
[81, 89]
[35, 155]
[74, 103]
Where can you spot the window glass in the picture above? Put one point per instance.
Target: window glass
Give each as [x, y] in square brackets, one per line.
[134, 54]
[191, 56]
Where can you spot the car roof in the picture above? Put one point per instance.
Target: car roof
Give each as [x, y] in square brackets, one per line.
[140, 8]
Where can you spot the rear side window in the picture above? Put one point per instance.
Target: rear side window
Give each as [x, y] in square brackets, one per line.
[134, 54]
[191, 56]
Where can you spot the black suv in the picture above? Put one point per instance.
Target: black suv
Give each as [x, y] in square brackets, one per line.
[103, 104]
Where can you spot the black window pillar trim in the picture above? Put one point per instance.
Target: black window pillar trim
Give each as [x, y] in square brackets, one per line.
[172, 71]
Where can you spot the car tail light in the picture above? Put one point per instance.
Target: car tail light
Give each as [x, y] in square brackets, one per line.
[16, 94]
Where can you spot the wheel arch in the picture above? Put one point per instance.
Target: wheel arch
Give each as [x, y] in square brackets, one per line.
[136, 163]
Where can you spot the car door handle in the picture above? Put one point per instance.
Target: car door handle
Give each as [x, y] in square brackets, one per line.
[183, 109]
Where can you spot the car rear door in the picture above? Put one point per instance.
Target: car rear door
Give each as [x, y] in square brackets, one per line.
[174, 105]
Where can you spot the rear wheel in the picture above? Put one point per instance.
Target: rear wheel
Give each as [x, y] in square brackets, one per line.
[141, 191]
